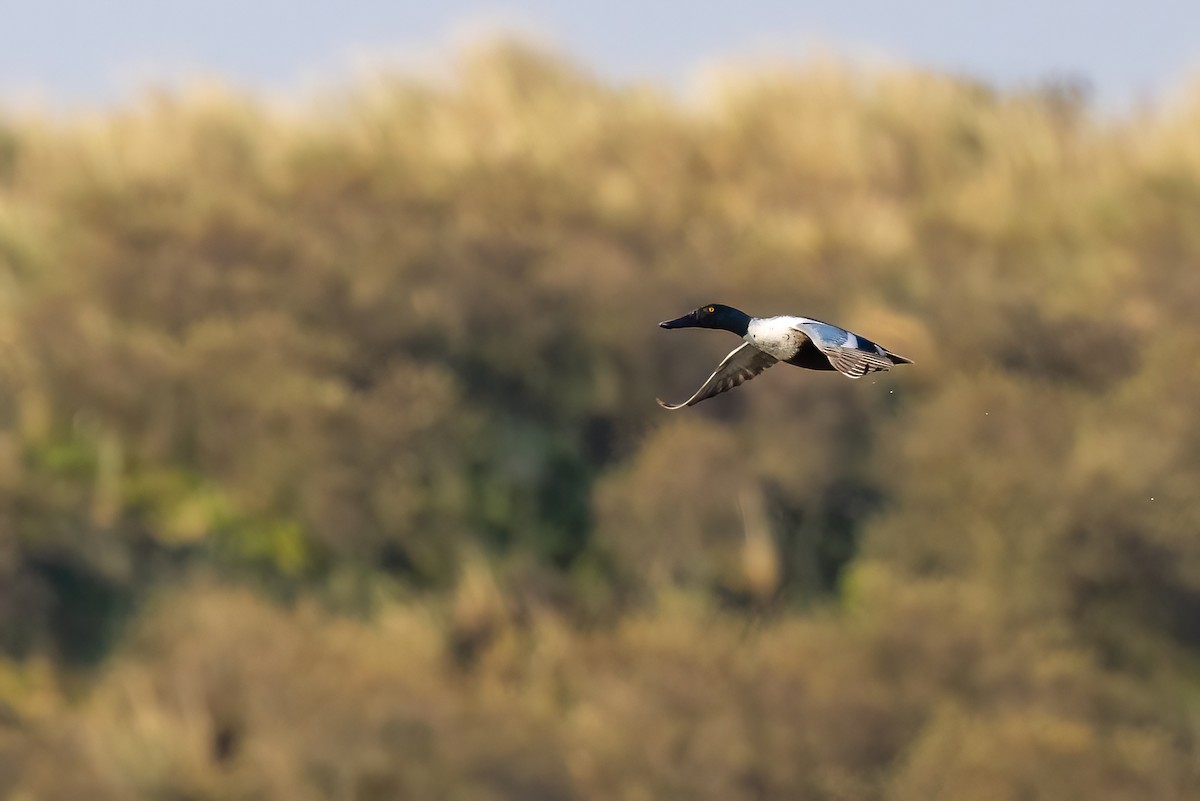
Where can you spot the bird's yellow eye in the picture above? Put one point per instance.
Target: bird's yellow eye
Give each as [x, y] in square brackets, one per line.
[711, 309]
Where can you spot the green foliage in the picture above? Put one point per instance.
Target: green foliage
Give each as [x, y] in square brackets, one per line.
[394, 354]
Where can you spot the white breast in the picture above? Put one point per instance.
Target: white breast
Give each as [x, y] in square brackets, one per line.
[776, 336]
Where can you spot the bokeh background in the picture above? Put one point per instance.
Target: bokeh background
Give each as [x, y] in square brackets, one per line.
[329, 460]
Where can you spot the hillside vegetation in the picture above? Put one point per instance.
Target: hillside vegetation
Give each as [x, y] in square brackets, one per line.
[330, 466]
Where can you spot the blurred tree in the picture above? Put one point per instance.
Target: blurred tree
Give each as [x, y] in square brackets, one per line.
[394, 353]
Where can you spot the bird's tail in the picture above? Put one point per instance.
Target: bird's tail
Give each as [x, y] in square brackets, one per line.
[896, 359]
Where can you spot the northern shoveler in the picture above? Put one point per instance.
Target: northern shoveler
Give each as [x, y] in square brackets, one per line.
[800, 341]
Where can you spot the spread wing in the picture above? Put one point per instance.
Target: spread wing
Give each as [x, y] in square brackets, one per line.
[851, 355]
[742, 364]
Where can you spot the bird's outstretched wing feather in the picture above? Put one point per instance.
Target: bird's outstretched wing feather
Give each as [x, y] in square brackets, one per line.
[742, 364]
[851, 355]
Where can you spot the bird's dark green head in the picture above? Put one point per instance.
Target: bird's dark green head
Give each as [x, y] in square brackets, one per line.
[714, 315]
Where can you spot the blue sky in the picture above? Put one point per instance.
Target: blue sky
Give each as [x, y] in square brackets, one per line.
[72, 51]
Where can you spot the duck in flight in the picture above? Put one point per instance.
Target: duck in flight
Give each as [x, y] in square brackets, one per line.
[801, 341]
